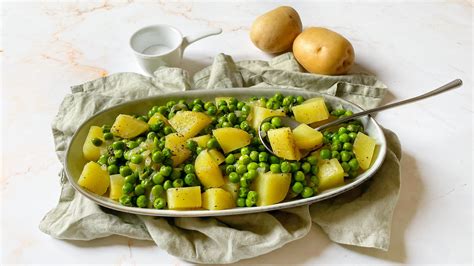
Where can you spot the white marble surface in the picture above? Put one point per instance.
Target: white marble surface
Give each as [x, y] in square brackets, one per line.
[412, 47]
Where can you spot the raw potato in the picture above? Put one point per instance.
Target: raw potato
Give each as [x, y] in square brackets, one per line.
[184, 198]
[258, 114]
[177, 144]
[89, 150]
[189, 123]
[323, 51]
[364, 147]
[94, 178]
[202, 140]
[208, 171]
[310, 111]
[217, 156]
[274, 31]
[272, 188]
[283, 143]
[116, 184]
[230, 138]
[307, 138]
[157, 117]
[330, 174]
[127, 127]
[217, 199]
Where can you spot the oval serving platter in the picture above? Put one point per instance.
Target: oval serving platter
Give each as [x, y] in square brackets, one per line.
[74, 160]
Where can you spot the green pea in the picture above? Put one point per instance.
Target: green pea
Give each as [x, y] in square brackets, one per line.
[335, 137]
[167, 185]
[354, 164]
[212, 143]
[227, 124]
[147, 183]
[352, 128]
[103, 159]
[142, 201]
[139, 189]
[106, 128]
[234, 177]
[345, 166]
[241, 169]
[254, 156]
[325, 154]
[274, 159]
[136, 158]
[125, 171]
[167, 153]
[96, 142]
[307, 192]
[175, 174]
[157, 157]
[245, 109]
[263, 156]
[212, 110]
[157, 126]
[306, 167]
[131, 179]
[243, 191]
[199, 150]
[252, 166]
[241, 202]
[118, 154]
[352, 136]
[252, 198]
[297, 187]
[252, 174]
[127, 188]
[265, 167]
[348, 113]
[336, 146]
[295, 166]
[244, 125]
[312, 160]
[314, 169]
[299, 176]
[178, 183]
[244, 159]
[189, 168]
[168, 130]
[111, 160]
[276, 122]
[344, 137]
[269, 104]
[347, 146]
[133, 144]
[244, 182]
[197, 108]
[261, 148]
[245, 151]
[229, 169]
[230, 159]
[335, 155]
[232, 118]
[190, 179]
[159, 203]
[285, 167]
[125, 200]
[299, 99]
[315, 180]
[223, 109]
[113, 169]
[275, 168]
[342, 130]
[287, 101]
[266, 126]
[166, 170]
[108, 136]
[345, 156]
[151, 135]
[118, 145]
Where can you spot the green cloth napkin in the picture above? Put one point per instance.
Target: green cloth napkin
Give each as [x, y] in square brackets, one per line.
[360, 217]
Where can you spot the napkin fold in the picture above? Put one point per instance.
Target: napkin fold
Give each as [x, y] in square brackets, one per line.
[360, 217]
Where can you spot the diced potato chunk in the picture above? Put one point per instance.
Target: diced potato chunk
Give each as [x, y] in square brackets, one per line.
[364, 147]
[94, 178]
[217, 199]
[116, 184]
[272, 188]
[217, 156]
[232, 188]
[127, 127]
[184, 198]
[283, 143]
[230, 138]
[177, 144]
[307, 138]
[202, 140]
[89, 150]
[330, 174]
[157, 117]
[258, 114]
[189, 123]
[207, 170]
[310, 111]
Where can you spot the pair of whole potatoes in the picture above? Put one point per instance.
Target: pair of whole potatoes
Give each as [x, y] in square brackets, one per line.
[318, 50]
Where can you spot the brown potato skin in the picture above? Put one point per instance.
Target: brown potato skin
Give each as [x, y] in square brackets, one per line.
[275, 31]
[323, 51]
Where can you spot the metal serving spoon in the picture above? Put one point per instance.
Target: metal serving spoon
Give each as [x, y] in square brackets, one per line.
[288, 122]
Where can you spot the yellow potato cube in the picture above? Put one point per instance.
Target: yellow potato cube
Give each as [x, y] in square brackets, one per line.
[310, 111]
[189, 123]
[89, 150]
[283, 143]
[217, 156]
[231, 139]
[94, 178]
[177, 144]
[202, 140]
[184, 198]
[207, 170]
[364, 147]
[157, 117]
[217, 199]
[127, 127]
[330, 174]
[116, 184]
[232, 188]
[307, 138]
[272, 188]
[258, 114]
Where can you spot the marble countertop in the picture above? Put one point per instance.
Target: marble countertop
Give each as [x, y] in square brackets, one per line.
[412, 47]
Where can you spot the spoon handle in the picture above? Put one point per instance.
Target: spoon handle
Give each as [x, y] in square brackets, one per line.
[449, 86]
